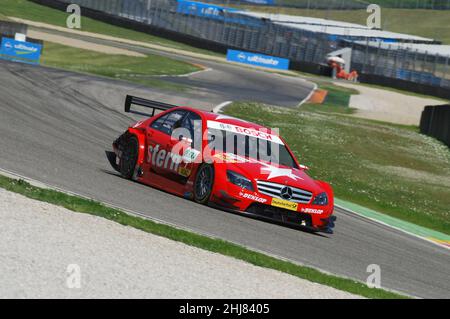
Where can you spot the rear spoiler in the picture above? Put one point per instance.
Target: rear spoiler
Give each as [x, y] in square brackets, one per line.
[133, 100]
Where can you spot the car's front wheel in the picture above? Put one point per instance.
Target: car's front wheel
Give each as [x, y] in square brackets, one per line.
[128, 157]
[204, 182]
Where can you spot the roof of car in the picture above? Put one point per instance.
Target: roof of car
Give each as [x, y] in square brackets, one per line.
[226, 119]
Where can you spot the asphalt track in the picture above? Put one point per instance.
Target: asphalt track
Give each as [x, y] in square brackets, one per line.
[55, 126]
[223, 81]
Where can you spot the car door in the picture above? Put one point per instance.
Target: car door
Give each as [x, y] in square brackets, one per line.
[160, 142]
[188, 139]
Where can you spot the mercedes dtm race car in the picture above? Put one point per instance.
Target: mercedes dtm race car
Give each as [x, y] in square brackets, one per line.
[220, 160]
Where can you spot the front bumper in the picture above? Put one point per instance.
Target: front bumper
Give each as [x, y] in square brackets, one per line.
[293, 218]
[234, 198]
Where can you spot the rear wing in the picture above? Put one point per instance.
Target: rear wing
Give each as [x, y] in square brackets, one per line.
[154, 105]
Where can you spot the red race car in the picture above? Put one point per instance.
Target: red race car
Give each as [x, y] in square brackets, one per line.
[224, 161]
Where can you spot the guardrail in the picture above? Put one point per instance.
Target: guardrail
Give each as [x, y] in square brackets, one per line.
[8, 28]
[435, 122]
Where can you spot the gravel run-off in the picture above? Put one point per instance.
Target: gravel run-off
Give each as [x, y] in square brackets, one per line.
[45, 249]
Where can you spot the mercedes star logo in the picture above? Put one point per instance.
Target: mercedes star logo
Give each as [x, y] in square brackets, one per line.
[286, 192]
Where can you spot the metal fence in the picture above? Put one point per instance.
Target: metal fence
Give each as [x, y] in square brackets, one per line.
[403, 64]
[228, 28]
[8, 28]
[233, 30]
[342, 4]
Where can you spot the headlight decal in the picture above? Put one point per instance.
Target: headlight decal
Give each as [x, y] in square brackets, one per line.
[239, 180]
[321, 199]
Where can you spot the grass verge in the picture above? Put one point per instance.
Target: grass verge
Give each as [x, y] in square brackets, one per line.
[28, 10]
[386, 167]
[3, 17]
[139, 70]
[91, 207]
[337, 100]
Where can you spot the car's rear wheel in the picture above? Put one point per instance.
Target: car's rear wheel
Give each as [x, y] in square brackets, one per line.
[203, 184]
[128, 159]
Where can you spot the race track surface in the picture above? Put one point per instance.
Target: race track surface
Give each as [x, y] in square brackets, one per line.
[55, 126]
[224, 81]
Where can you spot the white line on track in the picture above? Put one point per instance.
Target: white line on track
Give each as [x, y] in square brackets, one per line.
[309, 95]
[185, 75]
[349, 211]
[219, 107]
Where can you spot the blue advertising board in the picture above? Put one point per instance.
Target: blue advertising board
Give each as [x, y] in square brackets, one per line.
[20, 51]
[258, 59]
[211, 11]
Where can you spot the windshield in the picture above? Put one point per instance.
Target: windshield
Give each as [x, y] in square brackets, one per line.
[250, 147]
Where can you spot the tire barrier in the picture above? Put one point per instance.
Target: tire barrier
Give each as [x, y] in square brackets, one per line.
[435, 122]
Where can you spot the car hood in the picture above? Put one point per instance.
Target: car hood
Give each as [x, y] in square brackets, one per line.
[258, 170]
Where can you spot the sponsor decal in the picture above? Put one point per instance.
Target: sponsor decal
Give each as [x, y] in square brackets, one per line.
[258, 59]
[311, 210]
[253, 197]
[184, 171]
[284, 204]
[245, 131]
[230, 158]
[190, 155]
[163, 159]
[25, 49]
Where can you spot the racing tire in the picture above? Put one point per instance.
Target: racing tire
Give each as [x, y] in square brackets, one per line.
[203, 183]
[128, 160]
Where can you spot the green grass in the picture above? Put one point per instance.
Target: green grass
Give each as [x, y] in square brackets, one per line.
[337, 100]
[386, 167]
[139, 70]
[426, 23]
[31, 11]
[338, 97]
[82, 205]
[3, 17]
